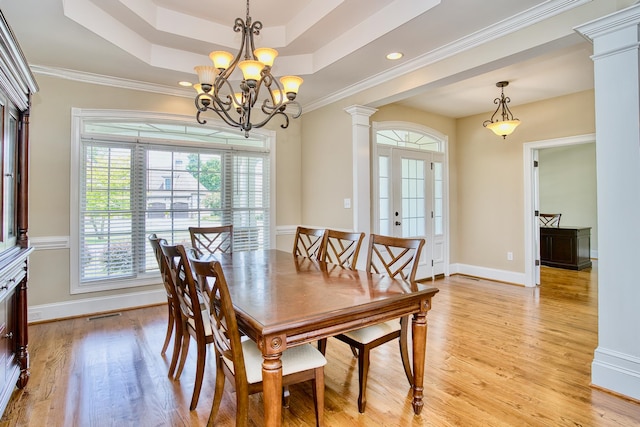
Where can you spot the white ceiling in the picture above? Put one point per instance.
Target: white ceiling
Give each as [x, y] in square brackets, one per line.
[335, 45]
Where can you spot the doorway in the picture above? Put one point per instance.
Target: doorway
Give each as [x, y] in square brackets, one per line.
[531, 202]
[410, 190]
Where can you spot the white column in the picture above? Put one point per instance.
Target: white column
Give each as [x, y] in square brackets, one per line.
[616, 363]
[361, 141]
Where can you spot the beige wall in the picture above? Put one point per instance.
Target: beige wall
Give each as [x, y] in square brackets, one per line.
[49, 183]
[327, 164]
[491, 177]
[567, 177]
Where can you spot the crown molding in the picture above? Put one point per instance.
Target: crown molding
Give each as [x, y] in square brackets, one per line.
[99, 79]
[499, 29]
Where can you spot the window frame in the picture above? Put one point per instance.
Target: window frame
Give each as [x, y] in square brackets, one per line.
[79, 116]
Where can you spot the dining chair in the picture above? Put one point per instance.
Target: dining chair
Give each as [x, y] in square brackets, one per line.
[308, 242]
[209, 240]
[173, 304]
[194, 312]
[395, 257]
[342, 248]
[241, 361]
[549, 220]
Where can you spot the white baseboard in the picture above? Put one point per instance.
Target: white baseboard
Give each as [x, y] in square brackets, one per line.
[488, 273]
[87, 306]
[617, 372]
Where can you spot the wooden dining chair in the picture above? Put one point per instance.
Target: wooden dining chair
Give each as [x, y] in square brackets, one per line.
[394, 257]
[241, 361]
[209, 240]
[342, 248]
[308, 242]
[173, 305]
[549, 220]
[194, 312]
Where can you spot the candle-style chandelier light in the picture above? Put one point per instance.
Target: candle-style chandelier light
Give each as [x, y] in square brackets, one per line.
[216, 93]
[508, 124]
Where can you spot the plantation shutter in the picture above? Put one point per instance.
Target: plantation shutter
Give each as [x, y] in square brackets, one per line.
[129, 190]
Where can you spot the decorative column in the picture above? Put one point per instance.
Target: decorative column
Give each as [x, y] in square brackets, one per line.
[616, 363]
[361, 141]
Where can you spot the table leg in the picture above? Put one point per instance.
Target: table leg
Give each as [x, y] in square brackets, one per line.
[272, 389]
[419, 332]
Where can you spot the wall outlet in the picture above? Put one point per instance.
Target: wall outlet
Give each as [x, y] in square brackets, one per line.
[347, 203]
[509, 256]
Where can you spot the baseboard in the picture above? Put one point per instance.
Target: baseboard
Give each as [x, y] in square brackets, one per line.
[87, 306]
[617, 372]
[488, 273]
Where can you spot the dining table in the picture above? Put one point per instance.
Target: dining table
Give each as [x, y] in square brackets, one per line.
[282, 300]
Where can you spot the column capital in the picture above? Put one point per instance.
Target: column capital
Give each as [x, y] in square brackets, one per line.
[610, 23]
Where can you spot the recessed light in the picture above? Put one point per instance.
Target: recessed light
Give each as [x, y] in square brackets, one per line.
[394, 55]
[185, 84]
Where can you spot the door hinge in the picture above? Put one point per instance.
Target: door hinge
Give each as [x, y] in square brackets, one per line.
[537, 263]
[431, 263]
[536, 213]
[535, 163]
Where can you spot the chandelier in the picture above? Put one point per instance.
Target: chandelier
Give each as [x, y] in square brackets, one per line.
[508, 124]
[235, 107]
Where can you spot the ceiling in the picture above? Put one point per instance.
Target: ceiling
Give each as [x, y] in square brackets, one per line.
[337, 46]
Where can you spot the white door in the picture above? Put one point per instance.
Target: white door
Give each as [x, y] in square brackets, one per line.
[410, 193]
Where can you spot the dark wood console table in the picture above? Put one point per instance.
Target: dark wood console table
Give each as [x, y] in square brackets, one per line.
[565, 247]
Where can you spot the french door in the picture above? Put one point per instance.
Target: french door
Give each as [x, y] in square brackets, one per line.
[409, 188]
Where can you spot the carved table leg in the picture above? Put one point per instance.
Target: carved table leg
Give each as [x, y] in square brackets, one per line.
[419, 330]
[272, 382]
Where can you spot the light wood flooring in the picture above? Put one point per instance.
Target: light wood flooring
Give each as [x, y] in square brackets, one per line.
[497, 355]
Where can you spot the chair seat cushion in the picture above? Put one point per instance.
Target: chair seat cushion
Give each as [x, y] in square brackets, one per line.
[371, 333]
[294, 359]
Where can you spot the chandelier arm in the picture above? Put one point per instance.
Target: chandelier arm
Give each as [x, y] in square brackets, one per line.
[280, 111]
[486, 122]
[253, 30]
[224, 115]
[203, 121]
[506, 112]
[216, 105]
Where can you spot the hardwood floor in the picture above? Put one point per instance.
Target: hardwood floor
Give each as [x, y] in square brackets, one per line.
[497, 355]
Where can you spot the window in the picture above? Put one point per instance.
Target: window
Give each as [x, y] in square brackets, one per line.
[140, 176]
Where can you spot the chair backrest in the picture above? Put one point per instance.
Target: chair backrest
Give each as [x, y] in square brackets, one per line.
[342, 248]
[224, 325]
[209, 240]
[156, 243]
[193, 302]
[395, 256]
[549, 220]
[308, 243]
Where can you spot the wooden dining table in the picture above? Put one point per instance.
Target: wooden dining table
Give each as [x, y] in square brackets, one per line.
[282, 301]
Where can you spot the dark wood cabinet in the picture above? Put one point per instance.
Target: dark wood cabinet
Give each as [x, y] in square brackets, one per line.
[565, 247]
[16, 86]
